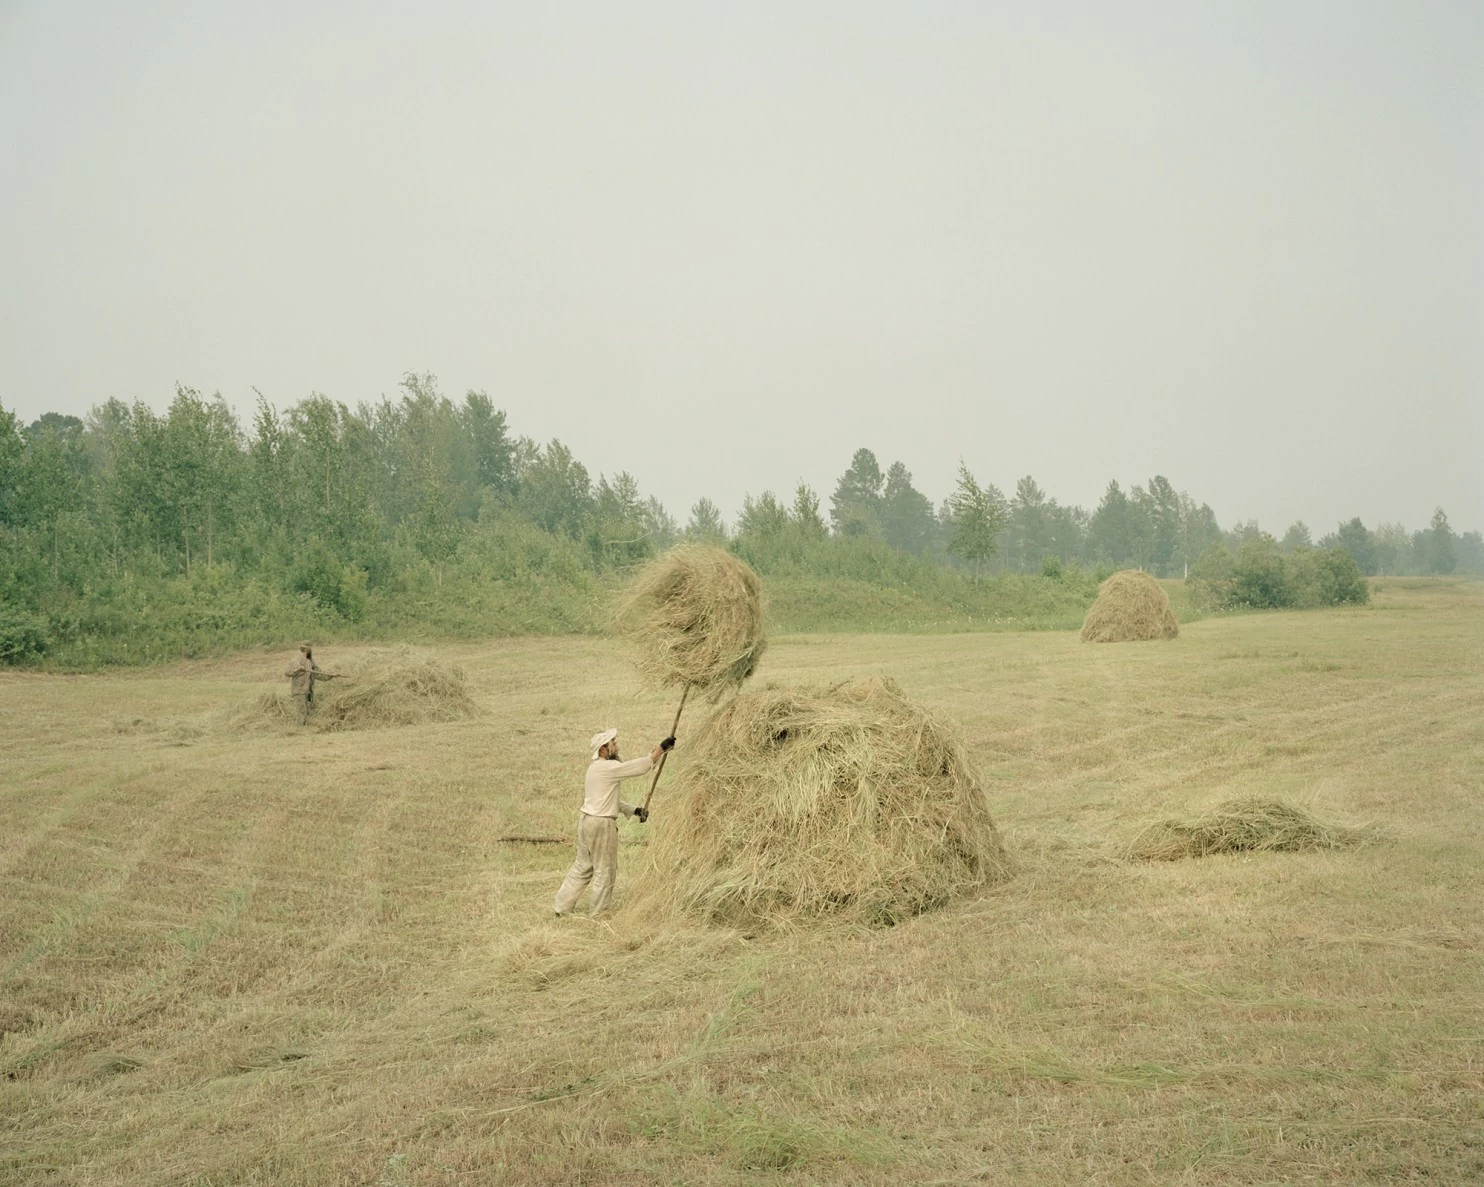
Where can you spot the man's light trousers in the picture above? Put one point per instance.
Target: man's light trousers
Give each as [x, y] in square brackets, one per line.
[597, 862]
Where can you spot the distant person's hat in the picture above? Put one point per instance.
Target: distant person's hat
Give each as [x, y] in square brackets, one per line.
[305, 647]
[601, 740]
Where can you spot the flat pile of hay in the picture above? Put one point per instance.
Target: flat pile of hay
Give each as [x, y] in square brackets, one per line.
[850, 802]
[1130, 606]
[696, 614]
[394, 687]
[1242, 826]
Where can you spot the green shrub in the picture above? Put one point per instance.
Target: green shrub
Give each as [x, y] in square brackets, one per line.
[335, 586]
[1210, 580]
[1258, 579]
[23, 635]
[1262, 577]
[1325, 577]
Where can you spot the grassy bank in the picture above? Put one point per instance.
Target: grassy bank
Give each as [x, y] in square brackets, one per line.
[132, 621]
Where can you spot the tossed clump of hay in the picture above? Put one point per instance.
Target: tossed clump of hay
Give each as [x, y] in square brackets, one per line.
[1130, 606]
[1251, 825]
[849, 802]
[393, 687]
[696, 614]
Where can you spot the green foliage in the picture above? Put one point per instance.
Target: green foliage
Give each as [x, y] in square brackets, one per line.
[1391, 547]
[1325, 577]
[1471, 553]
[1297, 537]
[553, 490]
[806, 513]
[906, 514]
[1030, 525]
[706, 522]
[1262, 577]
[1162, 509]
[23, 635]
[1354, 539]
[334, 585]
[1258, 576]
[137, 535]
[977, 517]
[1441, 555]
[11, 451]
[619, 527]
[1118, 530]
[491, 454]
[855, 507]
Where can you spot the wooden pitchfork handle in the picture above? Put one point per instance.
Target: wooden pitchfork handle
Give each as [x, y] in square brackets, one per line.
[664, 754]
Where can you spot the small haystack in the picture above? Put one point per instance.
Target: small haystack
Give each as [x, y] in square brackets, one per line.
[1242, 826]
[850, 802]
[1130, 606]
[697, 615]
[399, 686]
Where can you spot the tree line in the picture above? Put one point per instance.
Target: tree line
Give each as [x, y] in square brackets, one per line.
[1151, 526]
[321, 508]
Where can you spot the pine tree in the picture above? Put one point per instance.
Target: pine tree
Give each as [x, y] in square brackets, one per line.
[855, 507]
[906, 514]
[1353, 537]
[1297, 537]
[1442, 557]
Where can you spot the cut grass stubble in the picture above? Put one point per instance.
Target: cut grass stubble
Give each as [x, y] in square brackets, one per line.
[391, 1002]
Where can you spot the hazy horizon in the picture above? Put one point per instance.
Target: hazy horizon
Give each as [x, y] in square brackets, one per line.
[1243, 249]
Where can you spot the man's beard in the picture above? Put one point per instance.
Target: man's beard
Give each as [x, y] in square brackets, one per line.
[613, 753]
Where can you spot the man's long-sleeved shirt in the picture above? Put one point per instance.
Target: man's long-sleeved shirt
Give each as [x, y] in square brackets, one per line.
[600, 789]
[302, 676]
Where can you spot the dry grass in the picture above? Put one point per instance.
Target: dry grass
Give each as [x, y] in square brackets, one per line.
[308, 959]
[1131, 606]
[848, 802]
[695, 615]
[378, 690]
[1250, 825]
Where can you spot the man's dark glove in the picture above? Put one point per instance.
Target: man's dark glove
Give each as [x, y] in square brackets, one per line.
[642, 815]
[667, 743]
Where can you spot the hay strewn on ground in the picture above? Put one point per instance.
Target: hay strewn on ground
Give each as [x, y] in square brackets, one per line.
[1130, 606]
[850, 802]
[696, 614]
[1242, 826]
[398, 686]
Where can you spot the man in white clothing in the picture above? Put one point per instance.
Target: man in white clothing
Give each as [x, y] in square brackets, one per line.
[597, 828]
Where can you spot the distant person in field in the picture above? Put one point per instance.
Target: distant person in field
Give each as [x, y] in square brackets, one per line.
[597, 827]
[302, 678]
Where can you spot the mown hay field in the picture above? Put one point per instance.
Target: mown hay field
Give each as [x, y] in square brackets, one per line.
[238, 956]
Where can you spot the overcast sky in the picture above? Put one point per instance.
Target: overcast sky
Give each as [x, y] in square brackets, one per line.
[722, 246]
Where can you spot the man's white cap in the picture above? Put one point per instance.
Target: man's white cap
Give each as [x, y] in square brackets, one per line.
[600, 740]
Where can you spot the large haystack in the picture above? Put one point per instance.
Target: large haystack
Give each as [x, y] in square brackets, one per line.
[850, 802]
[1130, 606]
[1251, 825]
[393, 687]
[696, 614]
